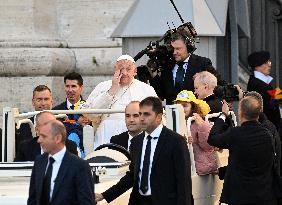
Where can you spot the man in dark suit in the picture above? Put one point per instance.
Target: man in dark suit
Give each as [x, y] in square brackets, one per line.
[30, 149]
[58, 177]
[73, 88]
[132, 122]
[204, 83]
[249, 175]
[41, 100]
[160, 170]
[179, 76]
[260, 81]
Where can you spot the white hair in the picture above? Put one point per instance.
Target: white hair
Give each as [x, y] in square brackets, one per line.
[126, 57]
[207, 78]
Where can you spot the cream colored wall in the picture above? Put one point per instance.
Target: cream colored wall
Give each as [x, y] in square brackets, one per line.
[40, 41]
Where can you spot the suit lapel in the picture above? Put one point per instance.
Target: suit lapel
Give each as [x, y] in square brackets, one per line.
[62, 171]
[35, 149]
[159, 147]
[32, 119]
[42, 164]
[138, 154]
[125, 140]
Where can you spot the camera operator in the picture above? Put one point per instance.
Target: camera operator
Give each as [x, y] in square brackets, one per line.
[248, 178]
[179, 77]
[260, 81]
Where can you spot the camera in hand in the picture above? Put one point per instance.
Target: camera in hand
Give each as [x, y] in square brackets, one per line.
[227, 92]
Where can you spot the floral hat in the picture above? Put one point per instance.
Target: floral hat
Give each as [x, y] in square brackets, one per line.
[188, 96]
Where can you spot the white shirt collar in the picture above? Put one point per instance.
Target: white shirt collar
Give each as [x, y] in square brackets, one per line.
[265, 78]
[156, 133]
[69, 104]
[129, 137]
[58, 157]
[187, 59]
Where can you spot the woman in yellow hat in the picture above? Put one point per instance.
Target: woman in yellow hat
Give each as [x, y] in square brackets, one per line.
[204, 154]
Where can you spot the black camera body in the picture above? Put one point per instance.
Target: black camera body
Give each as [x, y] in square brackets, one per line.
[227, 92]
[160, 52]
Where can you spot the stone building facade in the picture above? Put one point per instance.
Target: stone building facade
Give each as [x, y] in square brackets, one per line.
[41, 41]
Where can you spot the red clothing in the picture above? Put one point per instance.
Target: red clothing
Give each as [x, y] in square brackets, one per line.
[204, 154]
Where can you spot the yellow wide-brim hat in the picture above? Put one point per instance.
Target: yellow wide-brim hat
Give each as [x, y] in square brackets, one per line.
[188, 96]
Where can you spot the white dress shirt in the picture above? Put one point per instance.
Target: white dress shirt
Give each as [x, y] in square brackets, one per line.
[129, 140]
[58, 157]
[69, 104]
[155, 137]
[185, 66]
[265, 78]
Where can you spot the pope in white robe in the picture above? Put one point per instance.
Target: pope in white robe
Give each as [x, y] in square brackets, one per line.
[116, 94]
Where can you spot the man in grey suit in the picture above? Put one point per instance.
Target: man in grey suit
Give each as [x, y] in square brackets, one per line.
[58, 177]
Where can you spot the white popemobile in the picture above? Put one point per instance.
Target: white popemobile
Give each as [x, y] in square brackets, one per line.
[108, 162]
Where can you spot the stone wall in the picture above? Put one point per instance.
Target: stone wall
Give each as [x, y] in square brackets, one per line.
[40, 41]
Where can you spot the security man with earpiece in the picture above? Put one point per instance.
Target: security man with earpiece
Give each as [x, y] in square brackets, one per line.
[180, 77]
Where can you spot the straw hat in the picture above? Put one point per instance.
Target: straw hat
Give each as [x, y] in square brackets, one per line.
[188, 96]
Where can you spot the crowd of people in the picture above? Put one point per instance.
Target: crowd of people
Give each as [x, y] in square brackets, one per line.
[160, 169]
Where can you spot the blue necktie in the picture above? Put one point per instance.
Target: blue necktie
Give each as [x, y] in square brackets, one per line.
[180, 75]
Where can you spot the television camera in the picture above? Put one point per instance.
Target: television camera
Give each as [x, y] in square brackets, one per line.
[160, 52]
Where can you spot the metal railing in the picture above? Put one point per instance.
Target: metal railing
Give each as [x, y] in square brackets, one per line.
[12, 119]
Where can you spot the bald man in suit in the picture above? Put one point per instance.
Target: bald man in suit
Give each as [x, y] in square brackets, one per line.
[58, 177]
[132, 122]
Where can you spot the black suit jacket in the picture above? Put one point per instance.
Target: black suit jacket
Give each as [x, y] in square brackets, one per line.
[23, 134]
[164, 84]
[248, 177]
[63, 106]
[70, 129]
[73, 184]
[271, 111]
[214, 103]
[121, 139]
[170, 173]
[30, 149]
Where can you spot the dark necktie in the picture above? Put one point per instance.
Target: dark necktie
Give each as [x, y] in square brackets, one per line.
[180, 74]
[45, 199]
[146, 165]
[71, 116]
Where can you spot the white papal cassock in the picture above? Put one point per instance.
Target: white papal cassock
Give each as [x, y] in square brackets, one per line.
[114, 124]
